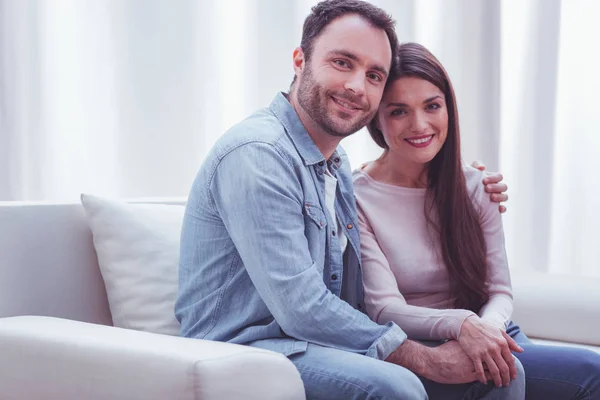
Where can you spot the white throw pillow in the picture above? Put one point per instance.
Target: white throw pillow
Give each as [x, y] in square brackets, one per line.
[138, 254]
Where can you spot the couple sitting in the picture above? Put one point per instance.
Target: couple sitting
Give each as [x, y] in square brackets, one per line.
[388, 283]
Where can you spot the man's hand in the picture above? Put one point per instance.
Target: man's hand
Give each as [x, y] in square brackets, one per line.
[447, 363]
[488, 345]
[493, 185]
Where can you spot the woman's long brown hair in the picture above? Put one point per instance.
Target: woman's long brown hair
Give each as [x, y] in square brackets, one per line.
[448, 207]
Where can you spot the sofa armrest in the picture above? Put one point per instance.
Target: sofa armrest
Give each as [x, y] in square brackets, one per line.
[53, 358]
[557, 307]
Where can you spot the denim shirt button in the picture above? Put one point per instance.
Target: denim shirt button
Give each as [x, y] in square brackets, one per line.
[350, 226]
[334, 277]
[333, 233]
[321, 163]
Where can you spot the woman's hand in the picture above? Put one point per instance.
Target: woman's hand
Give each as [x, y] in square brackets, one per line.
[486, 344]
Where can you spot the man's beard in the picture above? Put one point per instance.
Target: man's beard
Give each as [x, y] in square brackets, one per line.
[313, 98]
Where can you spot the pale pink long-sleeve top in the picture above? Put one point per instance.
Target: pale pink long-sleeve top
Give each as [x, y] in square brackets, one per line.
[405, 279]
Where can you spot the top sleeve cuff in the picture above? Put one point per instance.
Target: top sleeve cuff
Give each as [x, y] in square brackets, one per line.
[387, 343]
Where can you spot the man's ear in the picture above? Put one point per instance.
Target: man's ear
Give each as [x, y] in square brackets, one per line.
[298, 61]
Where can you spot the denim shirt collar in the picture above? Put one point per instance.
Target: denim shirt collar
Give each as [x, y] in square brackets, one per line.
[310, 153]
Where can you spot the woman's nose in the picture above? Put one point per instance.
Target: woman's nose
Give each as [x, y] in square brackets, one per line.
[419, 122]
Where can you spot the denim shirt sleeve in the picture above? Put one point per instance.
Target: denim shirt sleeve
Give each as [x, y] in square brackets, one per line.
[259, 198]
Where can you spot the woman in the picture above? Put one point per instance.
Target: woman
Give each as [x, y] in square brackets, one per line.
[432, 242]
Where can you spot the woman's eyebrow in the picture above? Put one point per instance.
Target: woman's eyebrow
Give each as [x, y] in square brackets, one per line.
[406, 105]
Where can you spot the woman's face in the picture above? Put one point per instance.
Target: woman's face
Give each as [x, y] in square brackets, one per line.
[414, 119]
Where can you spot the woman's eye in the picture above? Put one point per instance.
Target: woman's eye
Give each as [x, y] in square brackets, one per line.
[433, 106]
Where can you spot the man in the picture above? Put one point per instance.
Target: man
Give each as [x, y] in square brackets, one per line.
[270, 252]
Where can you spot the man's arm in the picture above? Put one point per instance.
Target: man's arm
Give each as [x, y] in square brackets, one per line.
[258, 195]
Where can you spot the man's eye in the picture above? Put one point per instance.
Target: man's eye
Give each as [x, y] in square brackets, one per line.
[397, 112]
[341, 63]
[375, 77]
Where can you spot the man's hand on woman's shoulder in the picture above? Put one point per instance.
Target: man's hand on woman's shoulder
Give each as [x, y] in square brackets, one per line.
[493, 185]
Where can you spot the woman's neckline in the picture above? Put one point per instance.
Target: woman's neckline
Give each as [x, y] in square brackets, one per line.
[389, 186]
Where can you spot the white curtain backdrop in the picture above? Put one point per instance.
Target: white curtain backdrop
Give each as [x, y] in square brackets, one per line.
[124, 98]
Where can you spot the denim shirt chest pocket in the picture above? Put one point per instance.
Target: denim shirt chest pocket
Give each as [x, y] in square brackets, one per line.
[315, 230]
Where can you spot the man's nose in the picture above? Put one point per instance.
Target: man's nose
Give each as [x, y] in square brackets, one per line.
[356, 84]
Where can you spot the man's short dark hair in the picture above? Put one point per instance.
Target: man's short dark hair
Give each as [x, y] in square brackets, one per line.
[326, 11]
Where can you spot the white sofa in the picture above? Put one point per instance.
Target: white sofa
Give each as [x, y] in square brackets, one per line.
[57, 342]
[56, 338]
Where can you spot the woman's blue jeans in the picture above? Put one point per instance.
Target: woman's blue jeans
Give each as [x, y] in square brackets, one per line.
[557, 372]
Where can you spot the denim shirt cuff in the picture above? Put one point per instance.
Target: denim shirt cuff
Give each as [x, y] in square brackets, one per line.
[386, 344]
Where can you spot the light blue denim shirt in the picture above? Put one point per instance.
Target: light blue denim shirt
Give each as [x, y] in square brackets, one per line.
[260, 260]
